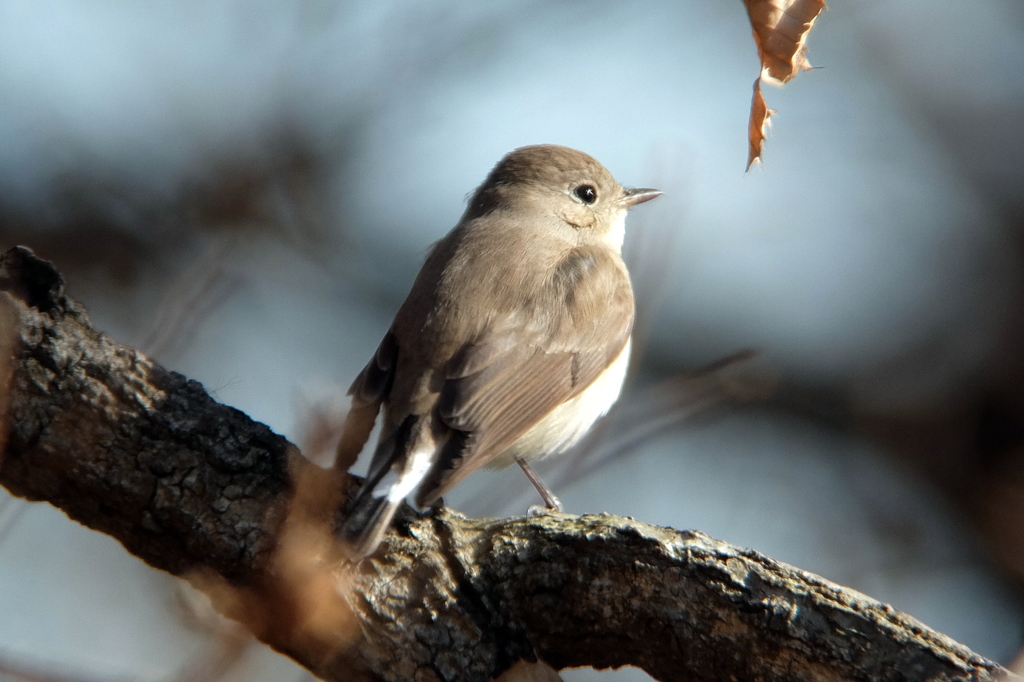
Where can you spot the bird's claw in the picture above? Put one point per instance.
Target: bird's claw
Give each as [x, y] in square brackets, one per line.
[552, 505]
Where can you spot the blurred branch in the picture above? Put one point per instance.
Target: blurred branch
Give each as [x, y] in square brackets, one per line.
[739, 378]
[198, 489]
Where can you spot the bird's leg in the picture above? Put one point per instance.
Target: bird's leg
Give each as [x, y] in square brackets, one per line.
[550, 501]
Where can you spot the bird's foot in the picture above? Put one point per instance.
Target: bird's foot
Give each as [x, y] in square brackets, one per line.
[551, 504]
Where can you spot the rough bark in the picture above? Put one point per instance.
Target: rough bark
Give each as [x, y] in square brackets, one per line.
[198, 489]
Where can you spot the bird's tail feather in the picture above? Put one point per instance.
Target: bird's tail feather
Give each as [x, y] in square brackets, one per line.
[375, 504]
[366, 525]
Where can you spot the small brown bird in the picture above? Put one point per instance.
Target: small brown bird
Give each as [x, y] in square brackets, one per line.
[513, 341]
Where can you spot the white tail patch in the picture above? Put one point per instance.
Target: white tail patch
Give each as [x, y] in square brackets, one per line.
[396, 485]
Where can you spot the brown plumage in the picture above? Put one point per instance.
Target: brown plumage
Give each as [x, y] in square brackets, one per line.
[516, 313]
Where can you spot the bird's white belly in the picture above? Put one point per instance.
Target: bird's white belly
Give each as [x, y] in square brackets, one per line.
[569, 422]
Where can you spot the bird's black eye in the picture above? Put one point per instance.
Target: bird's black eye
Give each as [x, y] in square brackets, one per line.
[586, 193]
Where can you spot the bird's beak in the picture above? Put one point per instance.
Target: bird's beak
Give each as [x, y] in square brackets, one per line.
[639, 195]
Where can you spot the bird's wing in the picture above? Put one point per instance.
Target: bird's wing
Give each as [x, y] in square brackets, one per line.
[529, 361]
[368, 391]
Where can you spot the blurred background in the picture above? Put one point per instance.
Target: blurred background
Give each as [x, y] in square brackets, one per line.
[245, 190]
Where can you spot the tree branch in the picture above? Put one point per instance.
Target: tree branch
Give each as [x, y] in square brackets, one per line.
[200, 490]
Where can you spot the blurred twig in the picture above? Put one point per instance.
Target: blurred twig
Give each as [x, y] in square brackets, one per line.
[733, 380]
[195, 294]
[736, 379]
[227, 648]
[227, 640]
[11, 509]
[11, 668]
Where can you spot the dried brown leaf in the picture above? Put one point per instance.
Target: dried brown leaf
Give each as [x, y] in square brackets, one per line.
[781, 28]
[758, 126]
[306, 599]
[780, 31]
